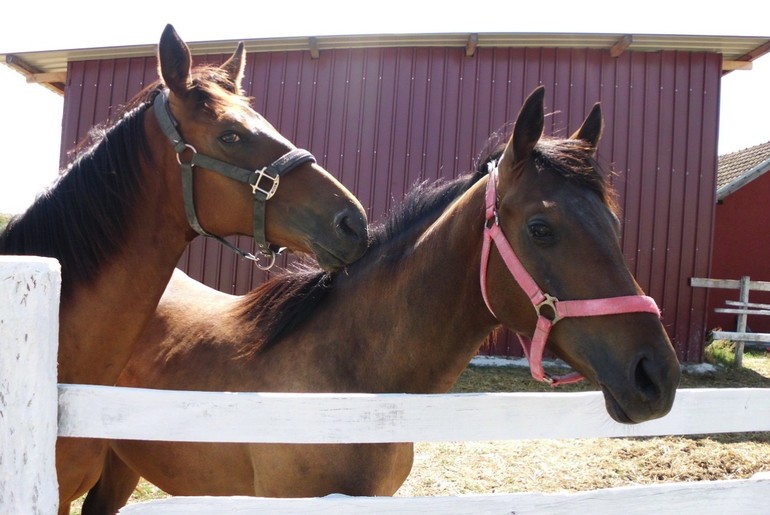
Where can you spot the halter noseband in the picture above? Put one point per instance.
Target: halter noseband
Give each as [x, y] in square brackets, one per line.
[534, 348]
[264, 182]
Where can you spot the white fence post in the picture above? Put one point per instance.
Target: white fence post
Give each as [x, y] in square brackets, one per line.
[29, 335]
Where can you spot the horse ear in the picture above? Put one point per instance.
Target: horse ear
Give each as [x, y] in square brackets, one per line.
[235, 65]
[591, 130]
[528, 128]
[174, 61]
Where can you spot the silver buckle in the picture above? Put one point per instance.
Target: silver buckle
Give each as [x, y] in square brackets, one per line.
[261, 174]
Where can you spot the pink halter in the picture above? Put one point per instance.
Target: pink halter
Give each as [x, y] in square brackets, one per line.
[534, 348]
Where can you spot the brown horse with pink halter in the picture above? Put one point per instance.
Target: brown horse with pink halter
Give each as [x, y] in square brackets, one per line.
[549, 309]
[407, 318]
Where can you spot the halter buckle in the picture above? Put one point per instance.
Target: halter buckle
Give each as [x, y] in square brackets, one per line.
[550, 302]
[256, 185]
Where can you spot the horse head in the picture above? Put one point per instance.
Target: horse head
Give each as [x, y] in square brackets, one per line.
[558, 276]
[288, 200]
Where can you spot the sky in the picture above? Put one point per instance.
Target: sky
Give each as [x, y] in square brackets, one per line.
[31, 115]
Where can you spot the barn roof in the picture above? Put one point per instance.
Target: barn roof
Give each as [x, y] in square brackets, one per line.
[737, 169]
[49, 67]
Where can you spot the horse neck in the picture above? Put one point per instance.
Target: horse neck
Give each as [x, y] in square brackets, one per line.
[440, 317]
[124, 292]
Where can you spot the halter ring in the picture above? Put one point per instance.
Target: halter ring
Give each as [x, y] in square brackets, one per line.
[270, 260]
[550, 302]
[270, 256]
[186, 146]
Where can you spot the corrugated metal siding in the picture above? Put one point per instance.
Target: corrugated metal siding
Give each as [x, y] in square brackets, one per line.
[741, 247]
[381, 119]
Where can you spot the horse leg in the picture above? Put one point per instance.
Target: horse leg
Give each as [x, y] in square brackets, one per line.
[78, 463]
[113, 489]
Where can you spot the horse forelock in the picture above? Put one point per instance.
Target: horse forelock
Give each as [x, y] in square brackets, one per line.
[217, 92]
[81, 219]
[574, 160]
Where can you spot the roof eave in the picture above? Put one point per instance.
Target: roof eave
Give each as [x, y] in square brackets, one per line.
[744, 179]
[737, 51]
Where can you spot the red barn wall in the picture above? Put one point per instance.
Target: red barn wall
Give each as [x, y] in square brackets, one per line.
[741, 247]
[381, 119]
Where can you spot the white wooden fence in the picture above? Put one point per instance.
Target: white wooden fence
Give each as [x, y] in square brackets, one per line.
[28, 410]
[741, 307]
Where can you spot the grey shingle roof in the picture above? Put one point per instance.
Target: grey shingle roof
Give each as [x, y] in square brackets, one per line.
[736, 169]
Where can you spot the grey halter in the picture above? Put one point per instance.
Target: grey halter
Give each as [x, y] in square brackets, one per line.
[264, 182]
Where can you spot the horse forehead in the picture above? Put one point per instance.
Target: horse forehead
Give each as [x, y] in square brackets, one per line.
[592, 215]
[251, 120]
[572, 203]
[255, 122]
[242, 113]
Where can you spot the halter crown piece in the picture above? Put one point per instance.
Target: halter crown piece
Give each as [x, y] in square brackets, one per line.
[534, 348]
[264, 182]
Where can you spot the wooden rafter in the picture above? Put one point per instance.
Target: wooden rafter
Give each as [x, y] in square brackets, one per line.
[621, 45]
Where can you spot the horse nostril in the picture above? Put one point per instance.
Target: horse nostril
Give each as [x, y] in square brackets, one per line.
[349, 226]
[644, 382]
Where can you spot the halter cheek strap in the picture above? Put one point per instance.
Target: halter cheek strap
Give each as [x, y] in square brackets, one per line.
[535, 347]
[264, 182]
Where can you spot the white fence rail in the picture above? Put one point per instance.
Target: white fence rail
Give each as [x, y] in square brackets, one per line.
[137, 414]
[27, 479]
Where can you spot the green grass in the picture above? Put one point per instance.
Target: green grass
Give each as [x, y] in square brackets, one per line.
[720, 352]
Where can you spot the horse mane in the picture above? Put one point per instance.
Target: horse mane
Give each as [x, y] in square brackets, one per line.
[82, 218]
[281, 304]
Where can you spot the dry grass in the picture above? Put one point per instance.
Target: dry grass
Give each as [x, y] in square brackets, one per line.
[574, 465]
[586, 464]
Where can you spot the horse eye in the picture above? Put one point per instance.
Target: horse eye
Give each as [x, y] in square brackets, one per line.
[230, 137]
[540, 232]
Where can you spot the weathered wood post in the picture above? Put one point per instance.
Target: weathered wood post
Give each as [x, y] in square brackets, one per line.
[29, 334]
[741, 328]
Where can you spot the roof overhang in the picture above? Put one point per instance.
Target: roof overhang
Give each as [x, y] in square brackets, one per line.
[49, 67]
[743, 180]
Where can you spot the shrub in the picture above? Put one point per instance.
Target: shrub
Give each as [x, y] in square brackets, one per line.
[720, 352]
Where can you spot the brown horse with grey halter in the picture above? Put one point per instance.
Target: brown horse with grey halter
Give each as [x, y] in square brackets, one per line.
[408, 317]
[119, 218]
